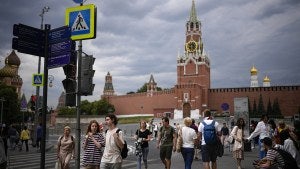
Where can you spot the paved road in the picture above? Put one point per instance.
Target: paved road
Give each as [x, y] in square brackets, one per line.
[31, 159]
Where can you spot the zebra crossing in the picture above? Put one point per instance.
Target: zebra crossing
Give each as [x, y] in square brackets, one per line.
[32, 160]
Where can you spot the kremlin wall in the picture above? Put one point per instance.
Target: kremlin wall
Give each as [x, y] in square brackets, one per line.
[192, 93]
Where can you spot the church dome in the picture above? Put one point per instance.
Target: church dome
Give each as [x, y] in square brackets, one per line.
[12, 59]
[266, 79]
[6, 71]
[253, 71]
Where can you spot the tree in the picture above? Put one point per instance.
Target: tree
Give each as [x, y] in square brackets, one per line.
[276, 109]
[269, 108]
[261, 108]
[254, 109]
[142, 89]
[249, 108]
[11, 105]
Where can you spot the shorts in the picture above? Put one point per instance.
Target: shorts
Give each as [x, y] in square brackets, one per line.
[166, 152]
[209, 153]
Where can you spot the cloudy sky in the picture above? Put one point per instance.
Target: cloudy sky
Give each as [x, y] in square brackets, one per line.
[137, 38]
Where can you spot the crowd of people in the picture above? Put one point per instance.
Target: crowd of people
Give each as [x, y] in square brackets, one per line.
[102, 148]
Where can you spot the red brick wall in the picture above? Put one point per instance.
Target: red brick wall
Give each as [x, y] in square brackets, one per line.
[159, 102]
[288, 97]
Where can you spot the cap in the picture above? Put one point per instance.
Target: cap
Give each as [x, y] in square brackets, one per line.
[267, 141]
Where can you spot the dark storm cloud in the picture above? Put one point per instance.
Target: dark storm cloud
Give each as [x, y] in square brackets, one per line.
[137, 38]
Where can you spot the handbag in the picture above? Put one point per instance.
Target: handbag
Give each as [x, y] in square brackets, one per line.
[231, 139]
[179, 141]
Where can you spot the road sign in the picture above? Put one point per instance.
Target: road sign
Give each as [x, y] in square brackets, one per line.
[59, 60]
[37, 79]
[59, 34]
[28, 47]
[82, 20]
[29, 33]
[60, 47]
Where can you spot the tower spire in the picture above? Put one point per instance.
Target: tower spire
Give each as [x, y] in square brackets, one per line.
[193, 14]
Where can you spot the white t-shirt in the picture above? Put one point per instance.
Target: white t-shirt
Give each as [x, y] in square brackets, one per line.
[112, 153]
[188, 137]
[201, 127]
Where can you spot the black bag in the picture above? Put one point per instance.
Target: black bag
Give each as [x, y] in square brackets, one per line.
[247, 146]
[289, 161]
[124, 150]
[219, 148]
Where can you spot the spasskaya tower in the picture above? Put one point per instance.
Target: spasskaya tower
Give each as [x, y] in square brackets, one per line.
[193, 71]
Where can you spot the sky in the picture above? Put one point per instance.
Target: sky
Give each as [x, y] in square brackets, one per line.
[137, 38]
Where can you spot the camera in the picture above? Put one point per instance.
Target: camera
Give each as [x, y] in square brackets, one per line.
[138, 147]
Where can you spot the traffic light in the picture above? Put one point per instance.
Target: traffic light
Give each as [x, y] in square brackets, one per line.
[32, 103]
[70, 84]
[87, 74]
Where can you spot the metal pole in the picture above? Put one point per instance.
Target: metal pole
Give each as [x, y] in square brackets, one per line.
[45, 94]
[78, 133]
[36, 117]
[2, 100]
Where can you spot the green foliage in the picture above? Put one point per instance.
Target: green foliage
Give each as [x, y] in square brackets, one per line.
[131, 92]
[269, 108]
[254, 109]
[100, 107]
[261, 108]
[276, 109]
[11, 105]
[67, 111]
[142, 89]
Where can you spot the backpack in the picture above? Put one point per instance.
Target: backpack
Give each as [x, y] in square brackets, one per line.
[209, 133]
[289, 161]
[124, 150]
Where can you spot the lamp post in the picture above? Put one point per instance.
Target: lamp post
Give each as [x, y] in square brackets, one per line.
[2, 100]
[51, 79]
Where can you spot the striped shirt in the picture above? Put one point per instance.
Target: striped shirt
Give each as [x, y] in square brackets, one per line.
[275, 158]
[92, 154]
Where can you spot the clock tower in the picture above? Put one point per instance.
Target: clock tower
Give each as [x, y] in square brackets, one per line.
[193, 71]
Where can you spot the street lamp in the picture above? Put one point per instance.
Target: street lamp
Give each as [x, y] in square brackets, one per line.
[2, 100]
[44, 10]
[51, 79]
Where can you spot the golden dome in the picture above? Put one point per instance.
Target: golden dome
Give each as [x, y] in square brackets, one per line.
[13, 59]
[266, 79]
[253, 71]
[6, 71]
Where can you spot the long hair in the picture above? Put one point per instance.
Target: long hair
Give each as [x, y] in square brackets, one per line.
[89, 127]
[240, 124]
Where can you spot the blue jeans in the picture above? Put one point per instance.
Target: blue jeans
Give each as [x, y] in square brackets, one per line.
[262, 153]
[145, 152]
[188, 156]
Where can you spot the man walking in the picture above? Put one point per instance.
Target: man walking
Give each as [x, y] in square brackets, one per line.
[208, 136]
[166, 142]
[224, 133]
[114, 143]
[263, 130]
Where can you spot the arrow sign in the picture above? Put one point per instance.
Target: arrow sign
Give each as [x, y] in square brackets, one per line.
[28, 47]
[61, 47]
[59, 34]
[29, 33]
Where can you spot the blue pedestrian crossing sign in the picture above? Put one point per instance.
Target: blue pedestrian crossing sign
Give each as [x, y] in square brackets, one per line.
[82, 20]
[37, 79]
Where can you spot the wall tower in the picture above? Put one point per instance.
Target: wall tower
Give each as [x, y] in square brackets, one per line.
[193, 70]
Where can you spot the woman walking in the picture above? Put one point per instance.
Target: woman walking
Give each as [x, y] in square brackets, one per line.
[142, 136]
[65, 148]
[24, 138]
[238, 146]
[94, 141]
[189, 138]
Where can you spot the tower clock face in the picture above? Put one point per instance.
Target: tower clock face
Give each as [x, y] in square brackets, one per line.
[191, 46]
